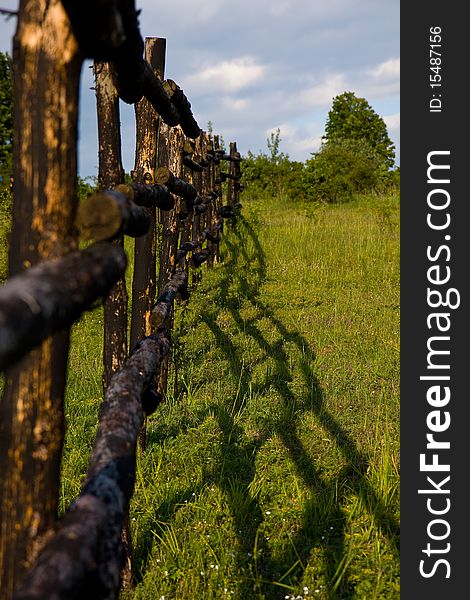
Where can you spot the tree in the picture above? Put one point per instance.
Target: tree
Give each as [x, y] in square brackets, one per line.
[6, 117]
[352, 118]
[342, 168]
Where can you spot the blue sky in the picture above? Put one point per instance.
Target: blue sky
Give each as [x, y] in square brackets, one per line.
[251, 67]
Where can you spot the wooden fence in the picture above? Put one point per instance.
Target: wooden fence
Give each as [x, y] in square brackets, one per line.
[176, 188]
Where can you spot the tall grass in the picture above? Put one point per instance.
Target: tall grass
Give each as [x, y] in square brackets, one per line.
[272, 471]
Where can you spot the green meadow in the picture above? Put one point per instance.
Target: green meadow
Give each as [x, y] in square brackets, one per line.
[272, 471]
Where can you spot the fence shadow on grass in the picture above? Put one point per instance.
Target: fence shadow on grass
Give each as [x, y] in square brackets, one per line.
[324, 520]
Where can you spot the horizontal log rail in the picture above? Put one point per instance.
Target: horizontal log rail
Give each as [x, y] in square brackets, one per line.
[176, 286]
[158, 196]
[192, 165]
[52, 295]
[106, 215]
[187, 121]
[224, 176]
[81, 555]
[199, 258]
[230, 158]
[83, 558]
[176, 186]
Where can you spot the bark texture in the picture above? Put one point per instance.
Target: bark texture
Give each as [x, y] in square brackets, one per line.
[161, 312]
[150, 196]
[187, 121]
[46, 80]
[52, 295]
[110, 214]
[145, 249]
[84, 558]
[110, 174]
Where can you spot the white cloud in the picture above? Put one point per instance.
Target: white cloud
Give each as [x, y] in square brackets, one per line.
[322, 93]
[392, 121]
[229, 75]
[390, 69]
[236, 104]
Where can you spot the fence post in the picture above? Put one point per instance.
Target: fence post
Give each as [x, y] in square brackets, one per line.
[170, 144]
[111, 174]
[232, 166]
[145, 248]
[46, 75]
[198, 178]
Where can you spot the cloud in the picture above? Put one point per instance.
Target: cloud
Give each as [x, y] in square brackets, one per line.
[392, 121]
[390, 69]
[229, 75]
[322, 93]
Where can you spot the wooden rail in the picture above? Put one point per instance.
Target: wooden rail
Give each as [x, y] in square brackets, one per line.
[177, 185]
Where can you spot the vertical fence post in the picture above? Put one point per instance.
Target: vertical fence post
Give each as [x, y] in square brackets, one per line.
[145, 248]
[232, 171]
[111, 174]
[115, 305]
[46, 76]
[170, 145]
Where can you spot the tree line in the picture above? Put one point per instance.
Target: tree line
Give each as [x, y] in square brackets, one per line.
[356, 156]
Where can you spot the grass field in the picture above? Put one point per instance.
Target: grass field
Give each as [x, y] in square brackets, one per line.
[272, 472]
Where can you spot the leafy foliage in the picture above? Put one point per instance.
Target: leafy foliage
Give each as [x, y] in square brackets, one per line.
[342, 168]
[353, 118]
[273, 173]
[6, 117]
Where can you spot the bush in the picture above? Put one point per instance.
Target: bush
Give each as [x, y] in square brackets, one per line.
[343, 168]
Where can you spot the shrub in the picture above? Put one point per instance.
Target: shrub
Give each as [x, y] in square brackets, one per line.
[342, 168]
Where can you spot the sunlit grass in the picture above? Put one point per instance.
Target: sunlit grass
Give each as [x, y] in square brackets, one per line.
[272, 471]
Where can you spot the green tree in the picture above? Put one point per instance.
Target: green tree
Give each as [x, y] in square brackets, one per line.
[273, 173]
[342, 168]
[353, 118]
[6, 117]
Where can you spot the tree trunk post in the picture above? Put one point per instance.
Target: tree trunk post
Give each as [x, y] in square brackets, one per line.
[111, 174]
[232, 166]
[47, 65]
[170, 145]
[198, 183]
[145, 258]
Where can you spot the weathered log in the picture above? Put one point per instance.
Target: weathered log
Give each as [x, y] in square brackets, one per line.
[226, 212]
[199, 209]
[224, 176]
[187, 247]
[145, 248]
[187, 121]
[178, 285]
[170, 144]
[188, 147]
[177, 186]
[52, 295]
[157, 96]
[230, 158]
[212, 158]
[198, 258]
[192, 165]
[128, 63]
[105, 215]
[83, 559]
[97, 26]
[156, 196]
[47, 63]
[110, 174]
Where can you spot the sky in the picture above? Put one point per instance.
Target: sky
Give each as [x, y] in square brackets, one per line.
[253, 66]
